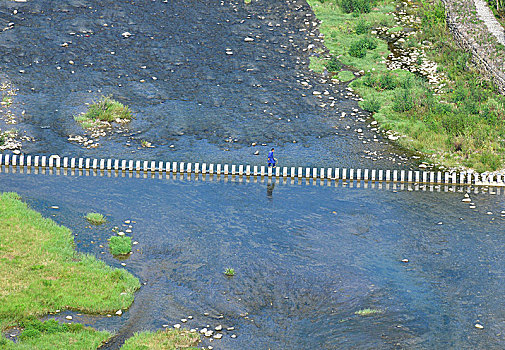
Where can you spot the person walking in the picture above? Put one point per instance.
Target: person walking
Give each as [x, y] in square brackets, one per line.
[271, 161]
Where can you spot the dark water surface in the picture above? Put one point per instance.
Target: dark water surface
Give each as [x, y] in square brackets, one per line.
[176, 75]
[306, 259]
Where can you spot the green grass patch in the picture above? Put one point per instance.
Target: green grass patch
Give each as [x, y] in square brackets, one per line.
[317, 64]
[345, 75]
[95, 218]
[106, 109]
[168, 339]
[54, 335]
[229, 272]
[41, 271]
[340, 30]
[368, 312]
[120, 245]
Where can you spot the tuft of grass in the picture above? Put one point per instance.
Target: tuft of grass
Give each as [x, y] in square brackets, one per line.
[42, 272]
[120, 245]
[317, 64]
[345, 75]
[368, 312]
[95, 218]
[167, 339]
[229, 272]
[247, 1]
[106, 110]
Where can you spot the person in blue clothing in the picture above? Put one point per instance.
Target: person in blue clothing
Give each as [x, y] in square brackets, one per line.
[271, 160]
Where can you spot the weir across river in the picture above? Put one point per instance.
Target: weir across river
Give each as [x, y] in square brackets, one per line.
[329, 175]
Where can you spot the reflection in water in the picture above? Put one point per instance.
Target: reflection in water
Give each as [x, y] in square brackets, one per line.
[270, 189]
[327, 253]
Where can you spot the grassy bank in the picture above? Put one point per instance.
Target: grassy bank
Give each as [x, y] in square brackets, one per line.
[42, 273]
[461, 125]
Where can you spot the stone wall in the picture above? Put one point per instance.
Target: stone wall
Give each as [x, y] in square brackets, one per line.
[473, 36]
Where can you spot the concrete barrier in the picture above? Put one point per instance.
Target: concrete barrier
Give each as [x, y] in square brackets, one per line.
[327, 175]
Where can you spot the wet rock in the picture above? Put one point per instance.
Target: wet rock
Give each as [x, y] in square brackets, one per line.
[126, 35]
[218, 336]
[233, 336]
[177, 326]
[68, 317]
[479, 326]
[256, 153]
[248, 39]
[218, 328]
[119, 312]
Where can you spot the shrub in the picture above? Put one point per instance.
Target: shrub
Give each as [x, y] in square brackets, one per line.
[334, 65]
[356, 6]
[357, 50]
[120, 245]
[362, 27]
[95, 218]
[30, 333]
[371, 105]
[403, 101]
[386, 81]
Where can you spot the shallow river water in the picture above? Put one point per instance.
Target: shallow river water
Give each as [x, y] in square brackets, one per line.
[306, 257]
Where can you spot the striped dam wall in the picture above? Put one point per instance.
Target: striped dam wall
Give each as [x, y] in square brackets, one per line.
[330, 174]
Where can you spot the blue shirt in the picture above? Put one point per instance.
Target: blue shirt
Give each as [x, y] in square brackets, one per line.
[271, 159]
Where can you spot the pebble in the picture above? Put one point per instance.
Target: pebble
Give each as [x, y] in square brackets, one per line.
[219, 328]
[119, 312]
[233, 336]
[405, 260]
[120, 233]
[177, 326]
[55, 207]
[248, 39]
[479, 326]
[218, 336]
[256, 153]
[126, 34]
[230, 328]
[183, 320]
[68, 317]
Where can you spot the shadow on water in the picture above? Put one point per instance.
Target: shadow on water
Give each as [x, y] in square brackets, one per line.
[199, 91]
[307, 260]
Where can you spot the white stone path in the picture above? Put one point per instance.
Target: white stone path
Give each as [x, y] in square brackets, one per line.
[487, 16]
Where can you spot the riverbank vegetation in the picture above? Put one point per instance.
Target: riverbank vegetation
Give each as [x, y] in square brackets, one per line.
[168, 339]
[457, 121]
[42, 274]
[105, 110]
